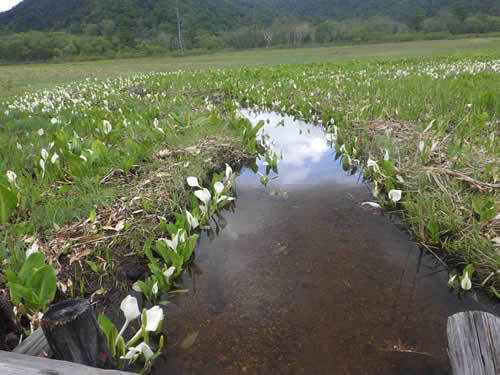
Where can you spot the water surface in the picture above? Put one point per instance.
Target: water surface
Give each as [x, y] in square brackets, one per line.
[308, 281]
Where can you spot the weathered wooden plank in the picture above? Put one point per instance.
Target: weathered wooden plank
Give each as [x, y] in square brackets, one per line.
[20, 364]
[474, 343]
[35, 344]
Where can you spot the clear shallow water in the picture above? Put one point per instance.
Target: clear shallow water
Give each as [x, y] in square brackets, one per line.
[308, 282]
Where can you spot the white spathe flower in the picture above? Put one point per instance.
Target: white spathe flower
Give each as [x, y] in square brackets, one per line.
[372, 164]
[19, 147]
[192, 221]
[154, 289]
[130, 308]
[154, 317]
[421, 146]
[142, 348]
[35, 248]
[131, 311]
[54, 158]
[172, 243]
[145, 350]
[156, 122]
[40, 132]
[51, 145]
[193, 182]
[83, 157]
[218, 187]
[106, 126]
[224, 197]
[229, 171]
[466, 283]
[54, 121]
[395, 195]
[11, 176]
[132, 352]
[44, 153]
[42, 164]
[386, 155]
[169, 272]
[203, 195]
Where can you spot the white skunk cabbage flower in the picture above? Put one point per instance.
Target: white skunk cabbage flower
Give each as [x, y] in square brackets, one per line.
[421, 146]
[229, 171]
[218, 187]
[154, 317]
[395, 195]
[11, 176]
[130, 308]
[372, 164]
[386, 155]
[193, 182]
[466, 283]
[106, 126]
[203, 195]
[168, 273]
[192, 221]
[142, 348]
[131, 311]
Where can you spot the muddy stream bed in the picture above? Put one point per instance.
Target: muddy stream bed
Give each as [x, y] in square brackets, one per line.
[308, 281]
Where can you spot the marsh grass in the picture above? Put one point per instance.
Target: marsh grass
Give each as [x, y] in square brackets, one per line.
[164, 127]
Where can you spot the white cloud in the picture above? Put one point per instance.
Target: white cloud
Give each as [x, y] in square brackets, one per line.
[8, 4]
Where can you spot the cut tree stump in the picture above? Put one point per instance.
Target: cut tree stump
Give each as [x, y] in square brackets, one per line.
[474, 343]
[74, 335]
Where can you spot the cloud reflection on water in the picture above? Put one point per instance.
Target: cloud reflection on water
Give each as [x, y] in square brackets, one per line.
[308, 158]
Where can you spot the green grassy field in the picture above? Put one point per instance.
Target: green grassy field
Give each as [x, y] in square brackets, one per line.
[104, 161]
[14, 79]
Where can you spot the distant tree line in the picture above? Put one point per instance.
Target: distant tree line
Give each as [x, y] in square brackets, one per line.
[107, 38]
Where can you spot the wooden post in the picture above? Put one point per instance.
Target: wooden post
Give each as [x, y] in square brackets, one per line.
[474, 343]
[74, 335]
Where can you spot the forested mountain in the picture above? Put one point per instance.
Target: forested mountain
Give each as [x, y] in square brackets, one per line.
[69, 29]
[213, 15]
[400, 10]
[74, 15]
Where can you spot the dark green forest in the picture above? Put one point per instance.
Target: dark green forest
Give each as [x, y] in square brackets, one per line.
[79, 29]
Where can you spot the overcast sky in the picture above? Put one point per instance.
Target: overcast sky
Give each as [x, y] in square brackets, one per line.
[7, 4]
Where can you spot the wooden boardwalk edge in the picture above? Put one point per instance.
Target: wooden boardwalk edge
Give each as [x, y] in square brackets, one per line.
[474, 343]
[20, 364]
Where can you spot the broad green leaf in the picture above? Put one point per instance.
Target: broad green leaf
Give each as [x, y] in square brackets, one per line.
[18, 292]
[75, 163]
[345, 163]
[484, 207]
[34, 262]
[43, 283]
[93, 266]
[109, 330]
[388, 167]
[8, 203]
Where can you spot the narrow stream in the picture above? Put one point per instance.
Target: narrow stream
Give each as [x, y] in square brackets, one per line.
[308, 281]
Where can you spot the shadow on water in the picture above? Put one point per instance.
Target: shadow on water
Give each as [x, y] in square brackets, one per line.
[309, 281]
